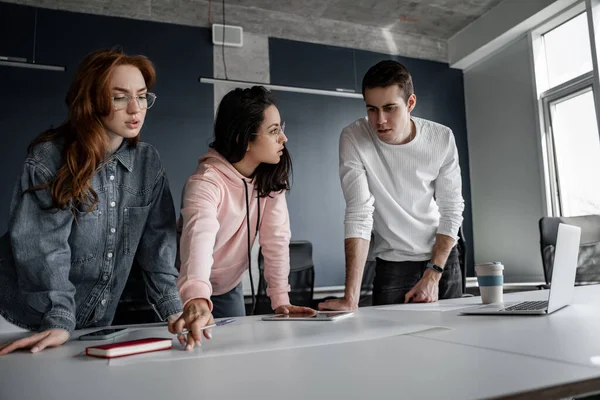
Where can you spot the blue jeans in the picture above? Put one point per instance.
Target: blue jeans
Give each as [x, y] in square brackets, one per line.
[230, 304]
[393, 280]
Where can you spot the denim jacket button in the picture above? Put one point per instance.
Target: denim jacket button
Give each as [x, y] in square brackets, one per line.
[109, 255]
[112, 177]
[112, 230]
[112, 204]
[103, 302]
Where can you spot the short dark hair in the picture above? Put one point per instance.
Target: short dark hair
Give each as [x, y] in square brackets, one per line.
[388, 73]
[240, 114]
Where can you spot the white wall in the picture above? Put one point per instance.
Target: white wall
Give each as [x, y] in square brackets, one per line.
[506, 181]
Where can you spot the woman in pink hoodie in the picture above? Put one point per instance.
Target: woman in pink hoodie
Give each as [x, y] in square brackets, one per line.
[237, 191]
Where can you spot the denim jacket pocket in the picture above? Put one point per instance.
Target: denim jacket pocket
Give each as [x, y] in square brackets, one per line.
[85, 236]
[134, 221]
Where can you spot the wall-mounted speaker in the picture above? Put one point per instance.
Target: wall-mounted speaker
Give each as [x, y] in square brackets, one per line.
[227, 35]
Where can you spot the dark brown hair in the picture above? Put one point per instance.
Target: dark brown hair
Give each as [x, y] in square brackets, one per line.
[388, 73]
[240, 114]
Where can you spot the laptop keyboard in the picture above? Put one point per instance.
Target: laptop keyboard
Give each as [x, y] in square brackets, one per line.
[529, 306]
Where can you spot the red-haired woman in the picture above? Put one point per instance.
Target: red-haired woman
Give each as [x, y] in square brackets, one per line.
[90, 200]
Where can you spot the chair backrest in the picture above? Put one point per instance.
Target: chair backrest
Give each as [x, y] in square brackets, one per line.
[133, 306]
[301, 277]
[461, 246]
[588, 262]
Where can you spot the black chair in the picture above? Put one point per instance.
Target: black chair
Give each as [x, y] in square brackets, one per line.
[133, 307]
[588, 262]
[301, 278]
[461, 246]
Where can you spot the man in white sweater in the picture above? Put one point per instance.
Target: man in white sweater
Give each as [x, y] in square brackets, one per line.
[401, 180]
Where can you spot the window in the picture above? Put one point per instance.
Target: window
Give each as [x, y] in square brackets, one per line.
[576, 153]
[565, 79]
[567, 50]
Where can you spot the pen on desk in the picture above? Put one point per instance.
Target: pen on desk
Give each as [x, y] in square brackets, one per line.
[219, 323]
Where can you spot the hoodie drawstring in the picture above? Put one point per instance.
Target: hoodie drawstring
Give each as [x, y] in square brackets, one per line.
[249, 244]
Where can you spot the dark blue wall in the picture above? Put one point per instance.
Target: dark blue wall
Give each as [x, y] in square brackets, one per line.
[316, 202]
[179, 124]
[314, 124]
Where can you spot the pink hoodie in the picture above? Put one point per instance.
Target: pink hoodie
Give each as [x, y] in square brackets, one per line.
[214, 237]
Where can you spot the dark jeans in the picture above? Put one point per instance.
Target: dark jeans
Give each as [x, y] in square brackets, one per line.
[230, 304]
[394, 279]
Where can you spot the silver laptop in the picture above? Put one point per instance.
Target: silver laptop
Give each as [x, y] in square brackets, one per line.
[562, 283]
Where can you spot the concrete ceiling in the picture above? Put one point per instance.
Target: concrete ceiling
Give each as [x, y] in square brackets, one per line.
[418, 28]
[439, 19]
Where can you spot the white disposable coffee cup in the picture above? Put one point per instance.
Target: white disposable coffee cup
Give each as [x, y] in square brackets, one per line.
[490, 279]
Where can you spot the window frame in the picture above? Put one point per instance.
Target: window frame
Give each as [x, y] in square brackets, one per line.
[547, 96]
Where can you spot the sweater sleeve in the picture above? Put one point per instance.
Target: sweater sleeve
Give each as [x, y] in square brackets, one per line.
[200, 226]
[448, 192]
[274, 239]
[358, 220]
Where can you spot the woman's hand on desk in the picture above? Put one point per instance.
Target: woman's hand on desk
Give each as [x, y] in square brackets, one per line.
[196, 314]
[37, 342]
[290, 309]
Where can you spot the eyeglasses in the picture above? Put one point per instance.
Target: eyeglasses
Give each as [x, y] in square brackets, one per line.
[144, 101]
[274, 133]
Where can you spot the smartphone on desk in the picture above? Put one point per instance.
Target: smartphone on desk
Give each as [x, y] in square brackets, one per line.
[104, 334]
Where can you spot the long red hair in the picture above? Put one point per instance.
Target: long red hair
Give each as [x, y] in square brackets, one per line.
[85, 139]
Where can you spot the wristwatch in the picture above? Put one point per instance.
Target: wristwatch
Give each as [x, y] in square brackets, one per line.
[434, 267]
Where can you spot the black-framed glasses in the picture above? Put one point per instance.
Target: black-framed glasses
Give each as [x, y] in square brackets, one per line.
[274, 132]
[144, 101]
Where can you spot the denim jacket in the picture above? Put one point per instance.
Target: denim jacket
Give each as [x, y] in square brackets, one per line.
[67, 268]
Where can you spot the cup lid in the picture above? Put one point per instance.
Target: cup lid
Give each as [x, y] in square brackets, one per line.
[490, 266]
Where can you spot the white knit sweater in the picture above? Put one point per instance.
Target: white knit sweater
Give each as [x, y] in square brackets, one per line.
[405, 193]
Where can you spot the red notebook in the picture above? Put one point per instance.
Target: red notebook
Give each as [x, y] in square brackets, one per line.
[129, 347]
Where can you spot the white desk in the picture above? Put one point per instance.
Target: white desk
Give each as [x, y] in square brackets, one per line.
[460, 364]
[570, 335]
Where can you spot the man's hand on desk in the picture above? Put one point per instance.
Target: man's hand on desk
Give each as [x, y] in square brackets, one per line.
[290, 309]
[37, 342]
[426, 290]
[342, 304]
[196, 314]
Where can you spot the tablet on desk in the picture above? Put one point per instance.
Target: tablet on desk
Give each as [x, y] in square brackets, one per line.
[319, 316]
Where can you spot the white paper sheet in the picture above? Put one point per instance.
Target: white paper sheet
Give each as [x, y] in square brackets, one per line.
[426, 307]
[256, 336]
